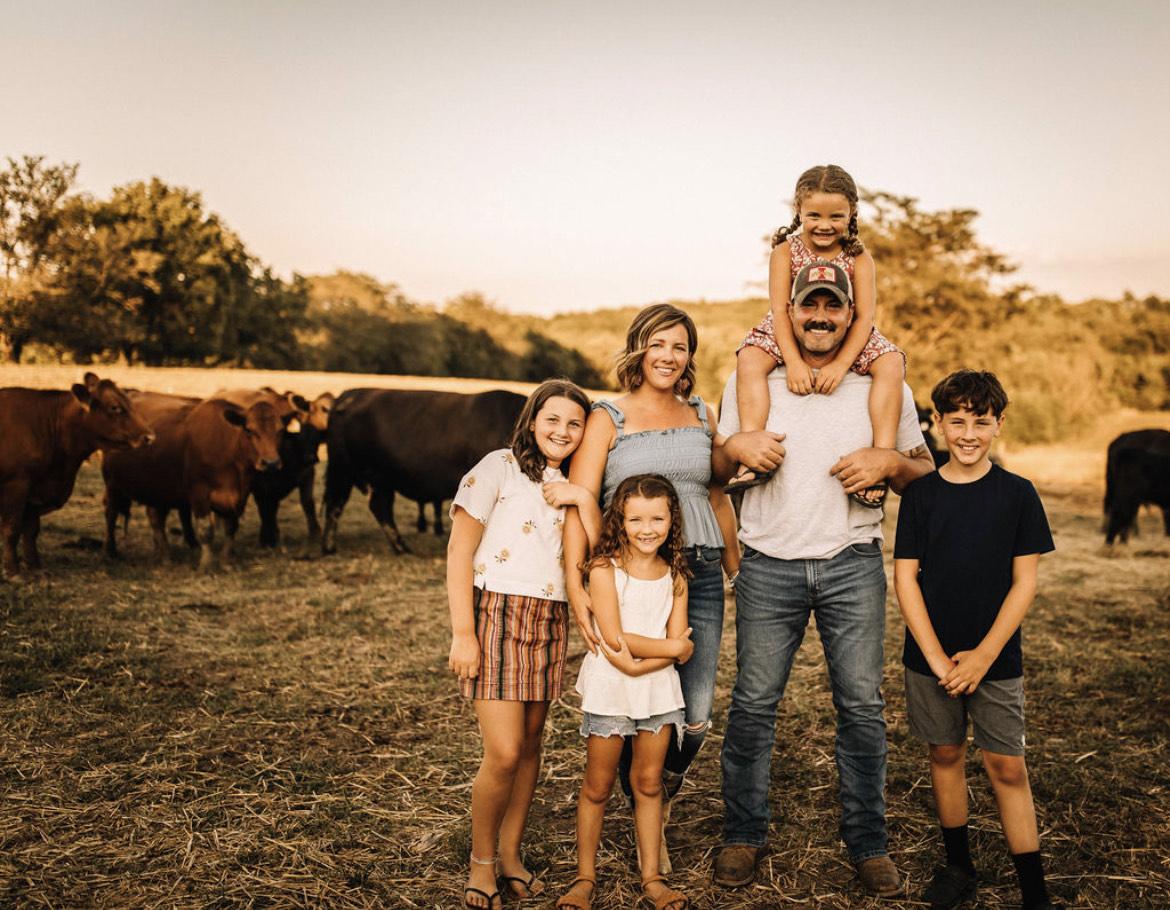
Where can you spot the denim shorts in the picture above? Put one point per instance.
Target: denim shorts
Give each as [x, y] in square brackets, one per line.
[995, 709]
[616, 725]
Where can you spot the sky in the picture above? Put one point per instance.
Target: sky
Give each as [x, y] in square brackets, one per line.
[566, 156]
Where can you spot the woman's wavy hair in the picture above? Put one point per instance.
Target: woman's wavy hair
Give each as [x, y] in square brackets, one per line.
[612, 542]
[825, 178]
[651, 319]
[523, 442]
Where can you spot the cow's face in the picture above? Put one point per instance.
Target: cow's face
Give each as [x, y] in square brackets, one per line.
[319, 410]
[260, 431]
[109, 415]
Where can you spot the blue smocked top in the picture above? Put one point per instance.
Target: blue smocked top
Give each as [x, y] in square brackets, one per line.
[681, 454]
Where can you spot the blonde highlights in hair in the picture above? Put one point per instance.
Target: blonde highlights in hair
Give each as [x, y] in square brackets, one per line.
[651, 319]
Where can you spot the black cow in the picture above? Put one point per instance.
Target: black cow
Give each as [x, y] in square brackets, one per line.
[421, 524]
[298, 457]
[417, 443]
[1137, 471]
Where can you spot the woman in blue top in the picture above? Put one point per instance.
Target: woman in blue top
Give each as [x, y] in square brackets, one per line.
[656, 429]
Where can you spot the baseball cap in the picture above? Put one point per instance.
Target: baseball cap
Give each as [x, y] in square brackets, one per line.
[822, 276]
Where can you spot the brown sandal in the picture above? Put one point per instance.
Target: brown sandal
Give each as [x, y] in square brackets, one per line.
[668, 899]
[575, 902]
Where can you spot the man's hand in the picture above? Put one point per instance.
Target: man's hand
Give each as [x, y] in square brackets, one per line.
[800, 377]
[582, 612]
[864, 468]
[968, 672]
[759, 450]
[829, 377]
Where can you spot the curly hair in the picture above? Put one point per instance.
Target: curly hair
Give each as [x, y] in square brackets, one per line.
[978, 391]
[523, 442]
[612, 543]
[651, 319]
[825, 178]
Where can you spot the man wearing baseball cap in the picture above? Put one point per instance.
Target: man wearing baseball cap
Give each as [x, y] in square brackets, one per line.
[809, 550]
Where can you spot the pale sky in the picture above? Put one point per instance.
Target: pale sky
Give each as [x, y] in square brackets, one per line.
[560, 156]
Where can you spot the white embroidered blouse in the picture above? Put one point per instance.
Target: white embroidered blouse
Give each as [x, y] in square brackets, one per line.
[521, 551]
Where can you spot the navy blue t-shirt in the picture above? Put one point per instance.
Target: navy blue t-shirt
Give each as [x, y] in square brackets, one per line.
[965, 536]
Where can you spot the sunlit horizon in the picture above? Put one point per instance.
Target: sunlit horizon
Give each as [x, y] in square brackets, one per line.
[559, 158]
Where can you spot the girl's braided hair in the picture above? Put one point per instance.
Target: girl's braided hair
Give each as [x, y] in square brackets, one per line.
[825, 178]
[613, 534]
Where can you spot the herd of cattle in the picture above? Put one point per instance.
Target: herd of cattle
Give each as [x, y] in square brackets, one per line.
[205, 457]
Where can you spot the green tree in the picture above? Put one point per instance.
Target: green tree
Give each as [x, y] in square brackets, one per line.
[33, 204]
[546, 358]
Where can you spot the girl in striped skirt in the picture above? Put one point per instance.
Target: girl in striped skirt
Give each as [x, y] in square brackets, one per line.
[509, 621]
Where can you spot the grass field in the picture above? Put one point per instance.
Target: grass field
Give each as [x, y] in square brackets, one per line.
[286, 734]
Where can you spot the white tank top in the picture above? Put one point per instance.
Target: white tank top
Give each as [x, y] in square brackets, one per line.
[644, 608]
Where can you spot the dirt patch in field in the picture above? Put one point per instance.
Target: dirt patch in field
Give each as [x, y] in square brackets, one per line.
[286, 734]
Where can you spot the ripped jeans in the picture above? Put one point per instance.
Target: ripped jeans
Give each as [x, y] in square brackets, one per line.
[705, 617]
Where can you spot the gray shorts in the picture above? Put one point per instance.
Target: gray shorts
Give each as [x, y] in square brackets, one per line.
[615, 725]
[996, 710]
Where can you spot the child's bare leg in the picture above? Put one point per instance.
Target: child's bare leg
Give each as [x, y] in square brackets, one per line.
[1013, 795]
[948, 778]
[501, 725]
[601, 761]
[885, 407]
[523, 787]
[646, 779]
[885, 398]
[752, 366]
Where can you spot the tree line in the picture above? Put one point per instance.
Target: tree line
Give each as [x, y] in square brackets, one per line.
[149, 276]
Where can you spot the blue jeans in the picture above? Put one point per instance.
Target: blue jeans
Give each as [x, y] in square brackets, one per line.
[775, 598]
[705, 617]
[697, 675]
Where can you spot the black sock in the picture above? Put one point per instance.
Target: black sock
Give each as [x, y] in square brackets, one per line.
[1031, 873]
[958, 846]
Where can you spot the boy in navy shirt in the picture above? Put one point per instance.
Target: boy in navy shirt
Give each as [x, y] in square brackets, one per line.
[968, 546]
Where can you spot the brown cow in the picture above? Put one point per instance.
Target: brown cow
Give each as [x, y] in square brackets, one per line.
[205, 458]
[45, 437]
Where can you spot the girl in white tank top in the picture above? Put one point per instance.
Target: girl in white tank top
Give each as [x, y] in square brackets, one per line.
[638, 585]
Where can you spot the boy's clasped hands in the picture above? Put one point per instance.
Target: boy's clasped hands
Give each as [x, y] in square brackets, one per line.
[962, 673]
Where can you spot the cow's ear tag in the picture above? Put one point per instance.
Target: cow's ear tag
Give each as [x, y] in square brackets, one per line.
[81, 393]
[293, 426]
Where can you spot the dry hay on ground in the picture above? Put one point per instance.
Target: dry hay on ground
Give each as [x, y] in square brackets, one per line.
[287, 735]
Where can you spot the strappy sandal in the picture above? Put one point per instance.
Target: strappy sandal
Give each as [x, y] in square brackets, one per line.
[513, 883]
[738, 484]
[675, 900]
[576, 902]
[859, 497]
[492, 899]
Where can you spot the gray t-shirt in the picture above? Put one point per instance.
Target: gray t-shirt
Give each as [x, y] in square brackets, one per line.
[803, 512]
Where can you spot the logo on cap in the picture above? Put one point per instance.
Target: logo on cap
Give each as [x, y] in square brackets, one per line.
[821, 273]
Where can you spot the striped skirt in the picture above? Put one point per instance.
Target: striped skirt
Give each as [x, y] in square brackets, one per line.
[522, 646]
